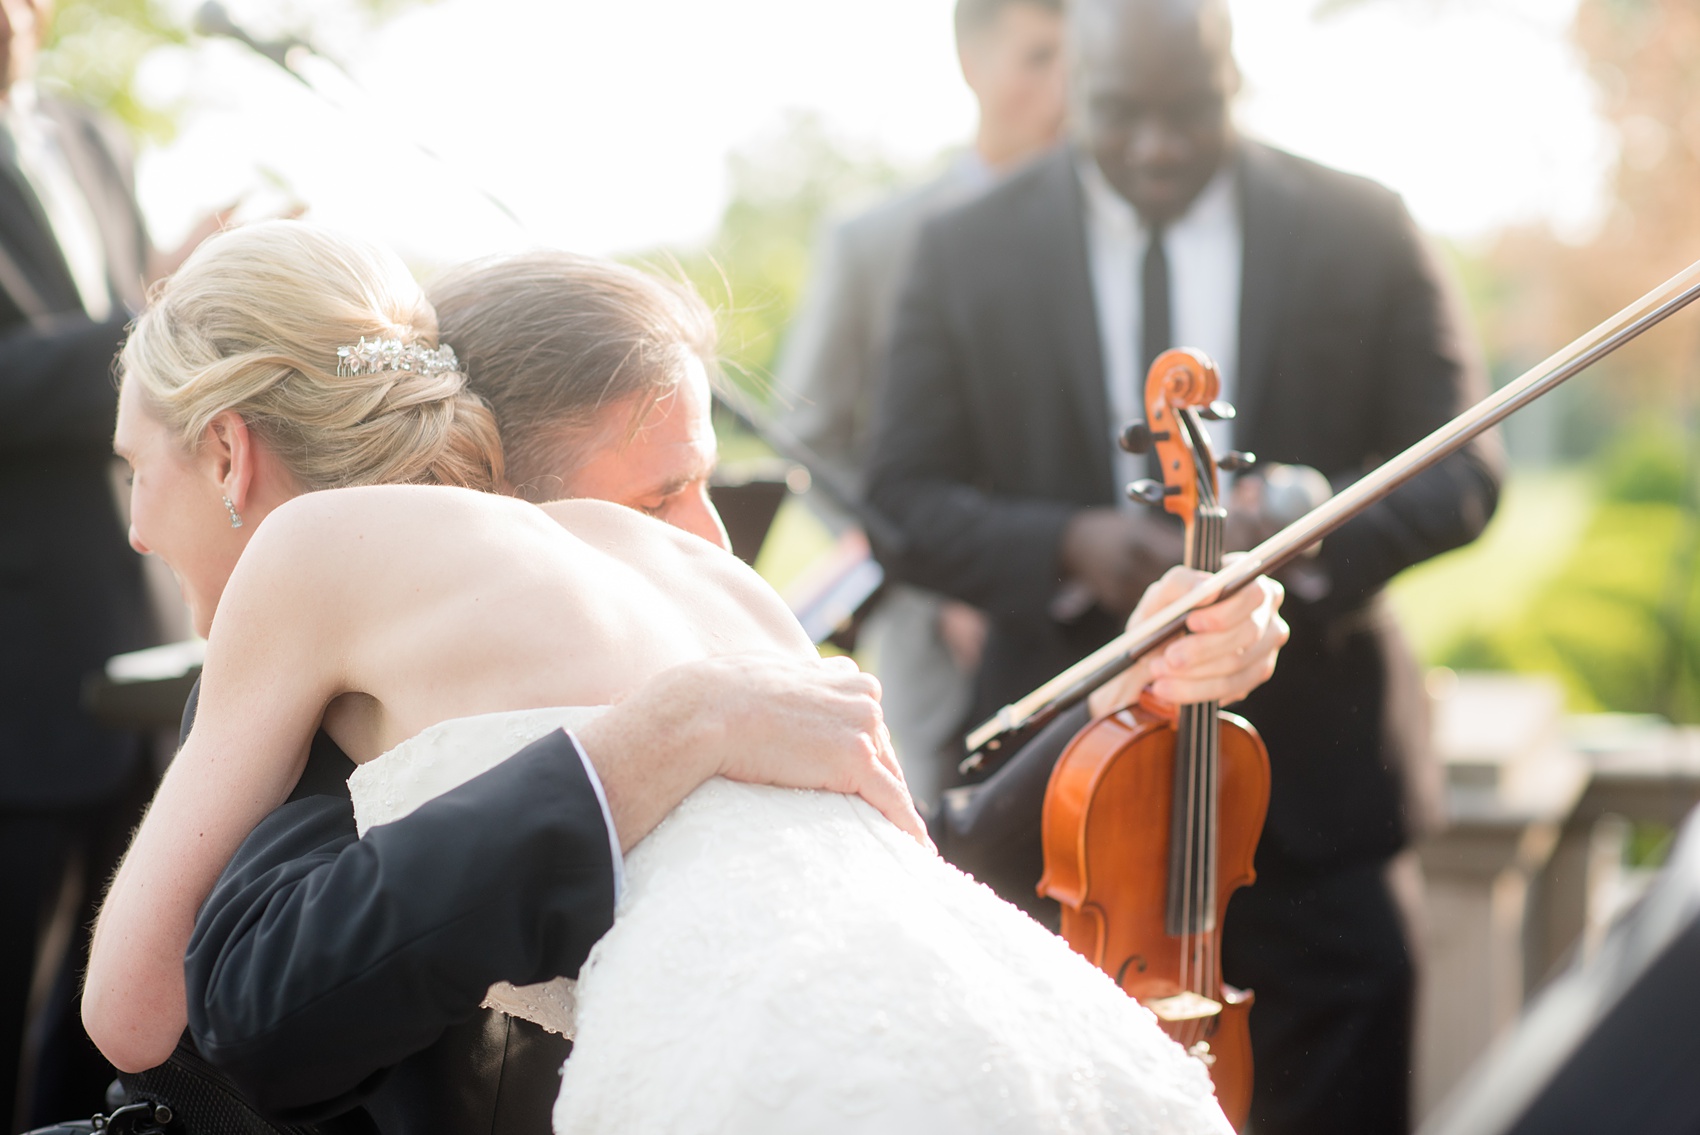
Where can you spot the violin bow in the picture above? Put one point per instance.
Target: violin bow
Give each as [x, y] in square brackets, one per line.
[1016, 722]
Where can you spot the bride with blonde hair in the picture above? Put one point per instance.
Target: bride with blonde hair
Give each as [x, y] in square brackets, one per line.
[306, 458]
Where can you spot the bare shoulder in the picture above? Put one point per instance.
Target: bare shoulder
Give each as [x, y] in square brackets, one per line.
[629, 533]
[650, 545]
[406, 513]
[685, 564]
[331, 551]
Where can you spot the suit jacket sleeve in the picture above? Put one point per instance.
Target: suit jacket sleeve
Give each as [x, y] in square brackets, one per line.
[994, 829]
[322, 959]
[998, 552]
[1430, 372]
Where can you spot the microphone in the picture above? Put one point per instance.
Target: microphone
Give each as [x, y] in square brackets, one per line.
[213, 20]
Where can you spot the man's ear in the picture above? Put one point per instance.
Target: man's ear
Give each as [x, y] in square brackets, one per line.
[227, 446]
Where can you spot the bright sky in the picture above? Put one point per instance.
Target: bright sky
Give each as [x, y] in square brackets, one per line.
[606, 125]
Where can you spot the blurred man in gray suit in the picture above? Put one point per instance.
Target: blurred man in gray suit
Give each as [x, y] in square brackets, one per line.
[926, 648]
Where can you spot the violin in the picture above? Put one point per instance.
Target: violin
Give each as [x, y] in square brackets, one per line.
[1000, 736]
[1153, 814]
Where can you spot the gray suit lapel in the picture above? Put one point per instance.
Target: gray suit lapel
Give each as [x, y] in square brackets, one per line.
[1061, 273]
[1272, 212]
[31, 252]
[96, 178]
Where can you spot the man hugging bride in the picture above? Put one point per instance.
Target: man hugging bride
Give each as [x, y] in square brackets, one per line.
[787, 952]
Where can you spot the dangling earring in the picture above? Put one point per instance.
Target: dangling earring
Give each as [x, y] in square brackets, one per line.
[235, 517]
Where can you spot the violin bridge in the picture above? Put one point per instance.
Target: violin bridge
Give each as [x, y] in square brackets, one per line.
[1186, 1006]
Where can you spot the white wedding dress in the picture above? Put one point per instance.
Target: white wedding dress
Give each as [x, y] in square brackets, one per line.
[789, 962]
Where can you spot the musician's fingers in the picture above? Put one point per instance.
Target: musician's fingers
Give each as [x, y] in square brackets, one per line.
[1211, 653]
[1221, 653]
[1258, 600]
[1229, 676]
[1122, 690]
[1173, 584]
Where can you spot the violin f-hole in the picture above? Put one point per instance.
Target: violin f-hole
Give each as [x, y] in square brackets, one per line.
[1137, 961]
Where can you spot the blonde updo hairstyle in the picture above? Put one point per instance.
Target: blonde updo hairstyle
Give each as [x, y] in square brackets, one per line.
[252, 322]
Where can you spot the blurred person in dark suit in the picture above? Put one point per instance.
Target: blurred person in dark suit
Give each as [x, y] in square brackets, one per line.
[1021, 347]
[925, 647]
[74, 259]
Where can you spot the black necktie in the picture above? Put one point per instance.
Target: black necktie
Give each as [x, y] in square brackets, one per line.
[1156, 326]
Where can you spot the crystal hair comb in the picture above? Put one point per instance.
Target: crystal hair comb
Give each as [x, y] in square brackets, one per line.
[376, 356]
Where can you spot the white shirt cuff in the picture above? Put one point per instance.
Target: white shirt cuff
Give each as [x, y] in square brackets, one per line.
[607, 817]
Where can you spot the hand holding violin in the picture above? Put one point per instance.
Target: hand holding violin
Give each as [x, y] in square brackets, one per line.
[1229, 652]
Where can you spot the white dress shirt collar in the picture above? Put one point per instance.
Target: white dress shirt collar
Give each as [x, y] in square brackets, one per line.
[1204, 247]
[41, 159]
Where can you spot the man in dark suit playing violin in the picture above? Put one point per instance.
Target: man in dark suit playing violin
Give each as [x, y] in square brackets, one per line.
[1021, 348]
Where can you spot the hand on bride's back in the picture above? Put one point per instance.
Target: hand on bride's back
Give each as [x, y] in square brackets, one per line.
[761, 718]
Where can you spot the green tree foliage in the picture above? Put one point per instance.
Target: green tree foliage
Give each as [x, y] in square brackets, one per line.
[94, 48]
[754, 269]
[1620, 623]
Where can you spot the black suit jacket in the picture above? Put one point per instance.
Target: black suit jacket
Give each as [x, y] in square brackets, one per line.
[338, 978]
[994, 431]
[71, 591]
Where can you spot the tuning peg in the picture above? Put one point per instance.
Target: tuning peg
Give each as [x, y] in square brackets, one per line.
[1150, 492]
[1138, 436]
[1217, 411]
[1236, 462]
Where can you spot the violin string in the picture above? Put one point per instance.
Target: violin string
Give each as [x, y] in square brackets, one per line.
[1189, 765]
[1216, 799]
[1200, 953]
[1212, 786]
[1192, 912]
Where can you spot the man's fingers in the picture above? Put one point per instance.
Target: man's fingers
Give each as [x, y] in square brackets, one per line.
[835, 719]
[1223, 652]
[888, 794]
[1262, 593]
[1173, 584]
[1230, 677]
[887, 753]
[1210, 653]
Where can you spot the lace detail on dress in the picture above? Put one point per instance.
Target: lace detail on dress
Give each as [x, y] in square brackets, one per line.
[445, 756]
[788, 961]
